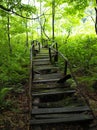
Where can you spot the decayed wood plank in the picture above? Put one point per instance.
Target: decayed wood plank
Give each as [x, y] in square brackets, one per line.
[70, 118]
[47, 76]
[54, 93]
[41, 63]
[53, 116]
[44, 81]
[40, 68]
[67, 109]
[50, 85]
[51, 89]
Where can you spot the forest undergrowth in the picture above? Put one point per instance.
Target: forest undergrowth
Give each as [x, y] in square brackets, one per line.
[14, 76]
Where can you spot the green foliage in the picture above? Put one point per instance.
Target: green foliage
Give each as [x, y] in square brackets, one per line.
[81, 51]
[13, 68]
[4, 103]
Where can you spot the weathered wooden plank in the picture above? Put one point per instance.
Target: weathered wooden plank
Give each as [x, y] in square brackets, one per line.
[41, 63]
[40, 57]
[41, 68]
[53, 116]
[43, 54]
[51, 89]
[70, 118]
[68, 109]
[47, 76]
[40, 60]
[53, 93]
[45, 81]
[50, 85]
[54, 104]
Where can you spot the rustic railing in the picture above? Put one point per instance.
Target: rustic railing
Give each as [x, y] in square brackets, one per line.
[53, 53]
[54, 56]
[35, 48]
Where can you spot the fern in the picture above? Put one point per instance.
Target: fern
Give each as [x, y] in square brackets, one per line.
[3, 94]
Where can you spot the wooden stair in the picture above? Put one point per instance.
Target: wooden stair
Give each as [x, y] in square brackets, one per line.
[55, 103]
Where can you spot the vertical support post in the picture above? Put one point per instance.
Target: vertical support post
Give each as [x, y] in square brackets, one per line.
[56, 57]
[50, 54]
[39, 46]
[56, 46]
[65, 68]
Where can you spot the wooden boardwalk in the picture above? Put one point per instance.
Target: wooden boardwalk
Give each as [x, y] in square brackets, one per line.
[55, 104]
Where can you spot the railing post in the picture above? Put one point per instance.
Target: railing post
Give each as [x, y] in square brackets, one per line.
[56, 57]
[65, 68]
[32, 72]
[50, 54]
[39, 46]
[57, 46]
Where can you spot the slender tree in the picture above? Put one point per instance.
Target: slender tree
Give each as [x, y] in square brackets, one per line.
[8, 28]
[96, 18]
[53, 19]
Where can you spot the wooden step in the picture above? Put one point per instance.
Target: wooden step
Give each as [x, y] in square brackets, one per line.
[43, 66]
[57, 104]
[67, 109]
[40, 68]
[51, 89]
[41, 56]
[47, 76]
[53, 93]
[38, 63]
[67, 118]
[49, 85]
[46, 69]
[41, 60]
[44, 50]
[53, 116]
[46, 81]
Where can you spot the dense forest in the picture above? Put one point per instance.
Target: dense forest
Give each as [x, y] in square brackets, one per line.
[70, 23]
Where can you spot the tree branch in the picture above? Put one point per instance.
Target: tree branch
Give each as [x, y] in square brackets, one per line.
[13, 12]
[43, 27]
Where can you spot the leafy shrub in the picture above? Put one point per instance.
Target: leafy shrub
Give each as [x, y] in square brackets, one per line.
[81, 51]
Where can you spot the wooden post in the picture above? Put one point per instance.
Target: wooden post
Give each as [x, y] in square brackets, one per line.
[65, 68]
[56, 46]
[50, 54]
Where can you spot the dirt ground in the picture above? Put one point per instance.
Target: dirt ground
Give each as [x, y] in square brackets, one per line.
[18, 117]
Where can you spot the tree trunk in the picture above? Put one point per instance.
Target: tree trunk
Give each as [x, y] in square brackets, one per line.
[8, 34]
[96, 20]
[27, 34]
[41, 23]
[53, 19]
